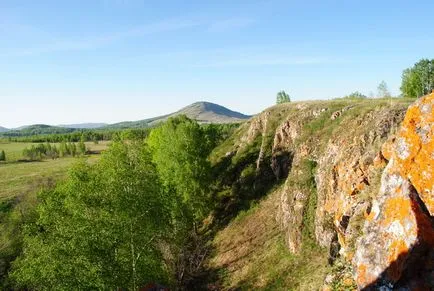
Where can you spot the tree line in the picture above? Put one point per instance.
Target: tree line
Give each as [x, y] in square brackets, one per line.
[75, 136]
[51, 151]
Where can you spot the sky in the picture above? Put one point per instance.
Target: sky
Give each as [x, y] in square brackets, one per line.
[68, 61]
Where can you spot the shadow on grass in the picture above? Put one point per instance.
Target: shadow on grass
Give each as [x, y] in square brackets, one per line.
[238, 184]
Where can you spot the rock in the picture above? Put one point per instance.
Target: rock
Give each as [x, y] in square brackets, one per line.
[284, 139]
[257, 127]
[318, 112]
[396, 249]
[290, 215]
[301, 106]
[338, 113]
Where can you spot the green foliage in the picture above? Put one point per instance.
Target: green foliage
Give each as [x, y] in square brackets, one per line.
[99, 230]
[50, 151]
[81, 147]
[180, 148]
[71, 135]
[282, 97]
[47, 151]
[355, 95]
[419, 79]
[2, 155]
[14, 214]
[383, 90]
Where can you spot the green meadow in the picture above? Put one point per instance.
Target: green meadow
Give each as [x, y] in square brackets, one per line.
[19, 178]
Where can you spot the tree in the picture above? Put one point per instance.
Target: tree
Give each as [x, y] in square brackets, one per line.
[180, 148]
[180, 156]
[383, 90]
[282, 97]
[73, 149]
[356, 95]
[63, 149]
[419, 79]
[82, 147]
[102, 229]
[2, 155]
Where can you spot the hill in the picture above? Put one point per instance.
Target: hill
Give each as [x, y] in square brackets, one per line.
[83, 125]
[3, 129]
[323, 186]
[37, 129]
[203, 112]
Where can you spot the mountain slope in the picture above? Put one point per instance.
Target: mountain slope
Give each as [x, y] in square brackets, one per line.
[3, 129]
[83, 125]
[37, 129]
[203, 112]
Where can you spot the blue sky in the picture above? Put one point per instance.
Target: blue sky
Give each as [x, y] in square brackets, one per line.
[114, 60]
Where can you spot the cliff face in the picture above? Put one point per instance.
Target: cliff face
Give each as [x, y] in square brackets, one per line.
[355, 177]
[397, 246]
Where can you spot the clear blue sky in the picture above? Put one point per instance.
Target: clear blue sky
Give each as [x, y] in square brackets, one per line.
[113, 60]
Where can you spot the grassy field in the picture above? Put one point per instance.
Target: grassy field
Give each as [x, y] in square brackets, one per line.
[20, 178]
[14, 150]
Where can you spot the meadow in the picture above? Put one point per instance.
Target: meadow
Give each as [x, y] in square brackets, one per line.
[19, 178]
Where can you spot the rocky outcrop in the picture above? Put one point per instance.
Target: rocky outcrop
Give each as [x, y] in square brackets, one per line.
[397, 246]
[357, 177]
[349, 165]
[356, 193]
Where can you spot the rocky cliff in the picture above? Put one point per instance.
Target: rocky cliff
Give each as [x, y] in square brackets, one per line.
[350, 181]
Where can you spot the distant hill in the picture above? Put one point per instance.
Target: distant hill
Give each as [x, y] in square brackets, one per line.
[37, 129]
[83, 125]
[3, 129]
[203, 112]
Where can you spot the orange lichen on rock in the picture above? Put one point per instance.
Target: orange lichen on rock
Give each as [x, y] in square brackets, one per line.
[398, 235]
[396, 249]
[415, 149]
[364, 278]
[387, 148]
[396, 209]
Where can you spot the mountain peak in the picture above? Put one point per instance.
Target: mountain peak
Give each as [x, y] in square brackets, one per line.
[201, 111]
[212, 113]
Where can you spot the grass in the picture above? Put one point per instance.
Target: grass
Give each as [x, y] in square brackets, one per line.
[14, 150]
[19, 178]
[250, 254]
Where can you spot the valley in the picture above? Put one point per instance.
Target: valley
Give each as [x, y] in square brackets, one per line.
[216, 145]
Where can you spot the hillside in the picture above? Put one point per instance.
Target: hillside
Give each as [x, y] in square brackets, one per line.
[3, 129]
[203, 112]
[83, 125]
[37, 129]
[315, 195]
